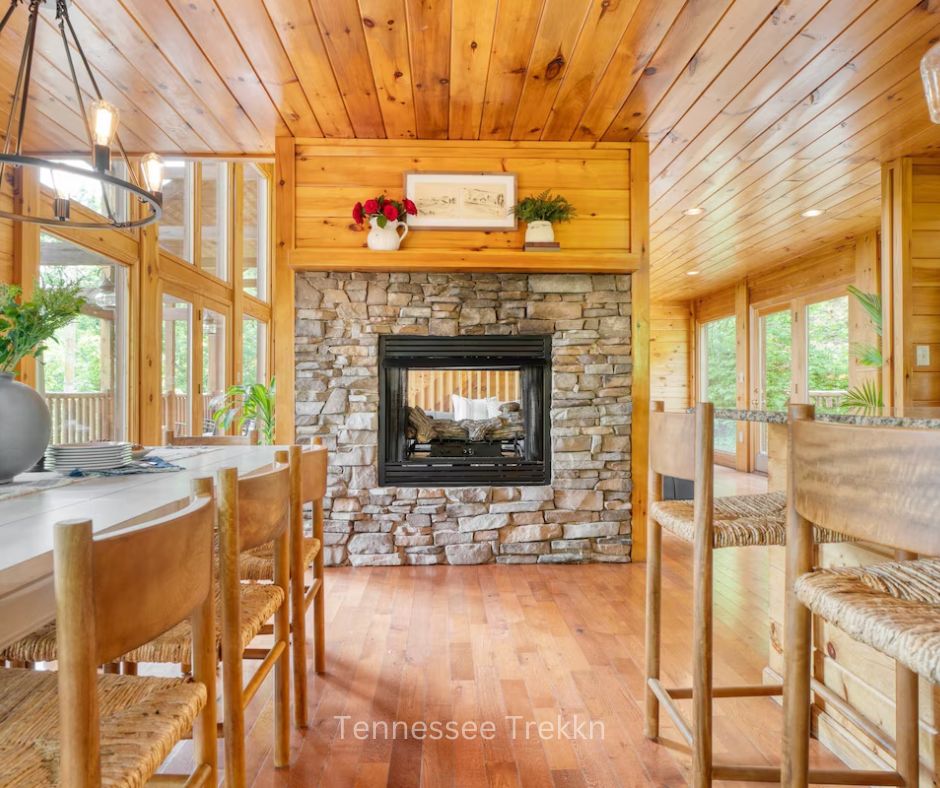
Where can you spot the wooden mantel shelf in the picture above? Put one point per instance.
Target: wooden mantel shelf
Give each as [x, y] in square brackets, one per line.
[596, 261]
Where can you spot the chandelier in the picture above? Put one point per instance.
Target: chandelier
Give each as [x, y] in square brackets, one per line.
[930, 76]
[101, 126]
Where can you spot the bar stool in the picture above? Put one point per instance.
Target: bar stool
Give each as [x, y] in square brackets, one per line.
[681, 445]
[877, 484]
[115, 591]
[308, 483]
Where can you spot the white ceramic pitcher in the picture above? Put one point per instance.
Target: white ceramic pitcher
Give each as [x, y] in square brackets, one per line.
[385, 239]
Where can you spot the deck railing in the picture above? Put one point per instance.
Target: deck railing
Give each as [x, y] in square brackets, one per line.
[827, 400]
[78, 418]
[83, 417]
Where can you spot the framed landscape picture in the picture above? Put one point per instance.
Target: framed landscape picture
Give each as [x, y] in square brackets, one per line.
[462, 201]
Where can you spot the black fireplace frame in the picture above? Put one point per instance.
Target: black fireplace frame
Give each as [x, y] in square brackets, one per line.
[530, 354]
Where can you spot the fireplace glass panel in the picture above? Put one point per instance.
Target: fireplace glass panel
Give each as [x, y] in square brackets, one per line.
[464, 410]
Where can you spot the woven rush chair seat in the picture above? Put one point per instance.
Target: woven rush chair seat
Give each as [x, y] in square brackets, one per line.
[258, 604]
[141, 719]
[258, 563]
[893, 607]
[739, 520]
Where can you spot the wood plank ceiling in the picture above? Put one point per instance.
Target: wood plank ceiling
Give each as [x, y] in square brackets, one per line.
[755, 110]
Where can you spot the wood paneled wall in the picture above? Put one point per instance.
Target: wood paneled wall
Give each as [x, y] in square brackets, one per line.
[6, 237]
[329, 177]
[925, 284]
[671, 353]
[911, 276]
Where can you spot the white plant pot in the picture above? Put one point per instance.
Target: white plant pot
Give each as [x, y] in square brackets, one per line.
[539, 232]
[385, 239]
[24, 427]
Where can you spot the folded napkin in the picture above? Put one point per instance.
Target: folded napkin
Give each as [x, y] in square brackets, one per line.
[149, 464]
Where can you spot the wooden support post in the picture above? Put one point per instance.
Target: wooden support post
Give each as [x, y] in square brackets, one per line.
[742, 343]
[26, 250]
[640, 288]
[283, 290]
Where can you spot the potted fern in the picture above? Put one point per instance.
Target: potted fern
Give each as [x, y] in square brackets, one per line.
[540, 212]
[25, 328]
[249, 405]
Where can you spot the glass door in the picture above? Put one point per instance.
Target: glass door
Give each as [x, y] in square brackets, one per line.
[177, 364]
[773, 378]
[214, 360]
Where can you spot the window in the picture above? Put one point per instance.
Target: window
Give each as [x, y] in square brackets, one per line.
[213, 215]
[213, 365]
[719, 376]
[177, 362]
[83, 372]
[254, 351]
[176, 226]
[90, 192]
[255, 215]
[827, 338]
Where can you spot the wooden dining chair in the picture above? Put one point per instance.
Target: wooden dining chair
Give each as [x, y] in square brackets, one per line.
[879, 485]
[682, 446]
[308, 484]
[253, 510]
[250, 438]
[114, 591]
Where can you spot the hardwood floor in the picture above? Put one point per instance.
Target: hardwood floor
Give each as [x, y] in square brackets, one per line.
[491, 643]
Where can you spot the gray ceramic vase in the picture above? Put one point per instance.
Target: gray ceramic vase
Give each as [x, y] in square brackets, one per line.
[24, 427]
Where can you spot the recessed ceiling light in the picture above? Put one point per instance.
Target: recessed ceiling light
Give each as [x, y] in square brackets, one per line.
[812, 213]
[694, 211]
[691, 273]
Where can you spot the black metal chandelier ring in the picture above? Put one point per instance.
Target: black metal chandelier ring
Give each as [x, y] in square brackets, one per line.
[148, 198]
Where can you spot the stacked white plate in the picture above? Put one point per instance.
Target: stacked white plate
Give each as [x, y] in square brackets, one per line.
[99, 456]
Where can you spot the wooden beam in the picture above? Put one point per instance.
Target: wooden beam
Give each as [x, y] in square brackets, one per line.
[26, 255]
[282, 296]
[598, 261]
[640, 392]
[868, 280]
[742, 321]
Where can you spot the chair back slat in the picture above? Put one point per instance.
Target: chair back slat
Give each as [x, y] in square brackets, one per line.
[151, 576]
[313, 472]
[251, 438]
[672, 444]
[877, 484]
[263, 506]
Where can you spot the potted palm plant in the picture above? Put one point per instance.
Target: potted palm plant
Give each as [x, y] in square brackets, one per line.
[25, 328]
[248, 405]
[540, 212]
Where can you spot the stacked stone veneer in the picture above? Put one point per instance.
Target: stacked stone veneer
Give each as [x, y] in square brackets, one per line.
[584, 515]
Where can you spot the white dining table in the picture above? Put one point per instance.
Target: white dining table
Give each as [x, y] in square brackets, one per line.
[27, 599]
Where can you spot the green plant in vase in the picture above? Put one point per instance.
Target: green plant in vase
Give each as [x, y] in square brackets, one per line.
[540, 212]
[249, 404]
[25, 328]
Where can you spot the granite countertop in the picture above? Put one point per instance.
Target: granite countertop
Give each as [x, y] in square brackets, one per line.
[923, 418]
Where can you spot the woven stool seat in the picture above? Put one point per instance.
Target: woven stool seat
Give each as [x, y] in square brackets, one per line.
[893, 607]
[739, 520]
[258, 603]
[258, 563]
[141, 719]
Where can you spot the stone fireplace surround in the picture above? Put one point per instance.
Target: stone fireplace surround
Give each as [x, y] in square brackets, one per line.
[583, 516]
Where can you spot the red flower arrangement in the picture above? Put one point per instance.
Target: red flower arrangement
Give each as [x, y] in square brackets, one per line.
[383, 210]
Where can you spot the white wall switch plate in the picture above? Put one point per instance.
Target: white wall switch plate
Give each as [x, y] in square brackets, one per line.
[923, 355]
